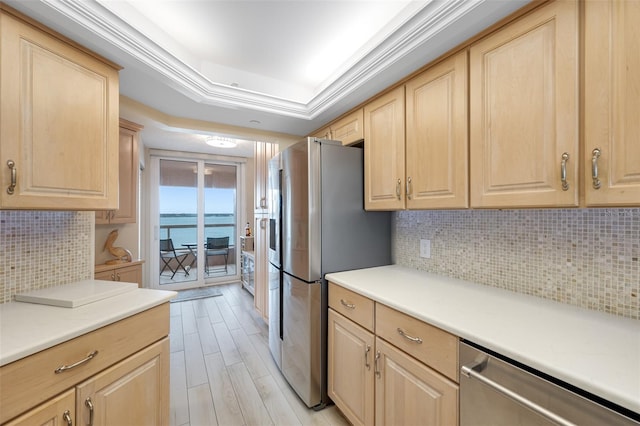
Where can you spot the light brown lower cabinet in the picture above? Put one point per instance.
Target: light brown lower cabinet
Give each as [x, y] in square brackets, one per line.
[124, 382]
[126, 272]
[350, 369]
[373, 381]
[56, 411]
[410, 393]
[132, 392]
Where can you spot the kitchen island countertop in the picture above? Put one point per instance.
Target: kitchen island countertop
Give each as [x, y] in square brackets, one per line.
[595, 351]
[27, 328]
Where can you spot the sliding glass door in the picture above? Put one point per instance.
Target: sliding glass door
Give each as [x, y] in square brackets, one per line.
[194, 223]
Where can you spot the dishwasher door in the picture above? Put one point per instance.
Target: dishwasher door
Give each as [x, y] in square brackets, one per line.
[495, 392]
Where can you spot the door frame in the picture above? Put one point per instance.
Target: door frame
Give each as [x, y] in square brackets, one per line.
[151, 244]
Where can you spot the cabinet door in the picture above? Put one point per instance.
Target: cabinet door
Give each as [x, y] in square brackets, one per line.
[350, 369]
[109, 275]
[59, 123]
[127, 211]
[261, 271]
[410, 393]
[524, 111]
[437, 143]
[132, 392]
[103, 216]
[260, 177]
[57, 411]
[349, 129]
[130, 274]
[263, 152]
[384, 152]
[612, 102]
[323, 133]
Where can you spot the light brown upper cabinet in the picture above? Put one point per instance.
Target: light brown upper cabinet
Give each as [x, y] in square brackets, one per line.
[323, 133]
[612, 103]
[437, 142]
[428, 170]
[384, 133]
[58, 122]
[348, 129]
[263, 152]
[524, 82]
[127, 211]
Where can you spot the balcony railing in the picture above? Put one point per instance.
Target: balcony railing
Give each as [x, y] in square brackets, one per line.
[188, 234]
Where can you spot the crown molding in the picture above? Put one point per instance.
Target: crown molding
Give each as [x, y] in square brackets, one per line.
[426, 24]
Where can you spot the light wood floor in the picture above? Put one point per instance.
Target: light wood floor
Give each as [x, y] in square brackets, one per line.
[222, 372]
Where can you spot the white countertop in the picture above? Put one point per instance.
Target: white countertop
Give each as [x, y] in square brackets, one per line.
[27, 328]
[594, 351]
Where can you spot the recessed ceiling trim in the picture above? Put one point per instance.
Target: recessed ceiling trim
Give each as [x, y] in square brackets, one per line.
[102, 22]
[425, 25]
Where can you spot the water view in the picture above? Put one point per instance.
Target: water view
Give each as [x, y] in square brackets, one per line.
[182, 227]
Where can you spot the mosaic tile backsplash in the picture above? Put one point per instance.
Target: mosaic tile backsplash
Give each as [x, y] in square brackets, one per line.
[40, 249]
[583, 257]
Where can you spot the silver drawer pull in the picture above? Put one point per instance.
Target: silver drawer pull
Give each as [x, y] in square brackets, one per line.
[347, 304]
[595, 154]
[563, 171]
[66, 416]
[89, 404]
[410, 338]
[64, 368]
[366, 357]
[12, 186]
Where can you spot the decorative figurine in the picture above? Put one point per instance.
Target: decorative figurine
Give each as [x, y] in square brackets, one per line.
[122, 254]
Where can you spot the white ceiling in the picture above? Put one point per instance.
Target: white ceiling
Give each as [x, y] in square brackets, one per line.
[262, 69]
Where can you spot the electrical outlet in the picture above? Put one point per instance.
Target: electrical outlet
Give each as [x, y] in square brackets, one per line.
[425, 249]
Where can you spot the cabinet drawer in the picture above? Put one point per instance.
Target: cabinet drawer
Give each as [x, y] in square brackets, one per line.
[30, 381]
[352, 305]
[427, 343]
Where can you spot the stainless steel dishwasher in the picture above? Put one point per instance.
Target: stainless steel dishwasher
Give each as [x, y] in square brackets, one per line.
[496, 391]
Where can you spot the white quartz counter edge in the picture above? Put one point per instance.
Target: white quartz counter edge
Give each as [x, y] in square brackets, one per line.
[27, 328]
[597, 352]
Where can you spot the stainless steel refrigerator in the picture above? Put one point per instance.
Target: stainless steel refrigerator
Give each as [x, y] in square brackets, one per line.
[317, 225]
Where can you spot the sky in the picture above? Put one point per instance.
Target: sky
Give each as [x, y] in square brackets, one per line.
[179, 199]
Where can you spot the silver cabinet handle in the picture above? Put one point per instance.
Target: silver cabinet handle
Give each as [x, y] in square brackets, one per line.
[117, 276]
[595, 154]
[563, 171]
[263, 202]
[375, 365]
[398, 186]
[89, 405]
[409, 338]
[66, 416]
[366, 357]
[408, 189]
[347, 304]
[473, 371]
[14, 177]
[64, 368]
[113, 276]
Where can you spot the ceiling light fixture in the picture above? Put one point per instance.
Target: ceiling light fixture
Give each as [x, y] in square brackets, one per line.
[219, 142]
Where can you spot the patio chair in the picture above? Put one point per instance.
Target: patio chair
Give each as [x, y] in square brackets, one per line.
[217, 246]
[168, 254]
